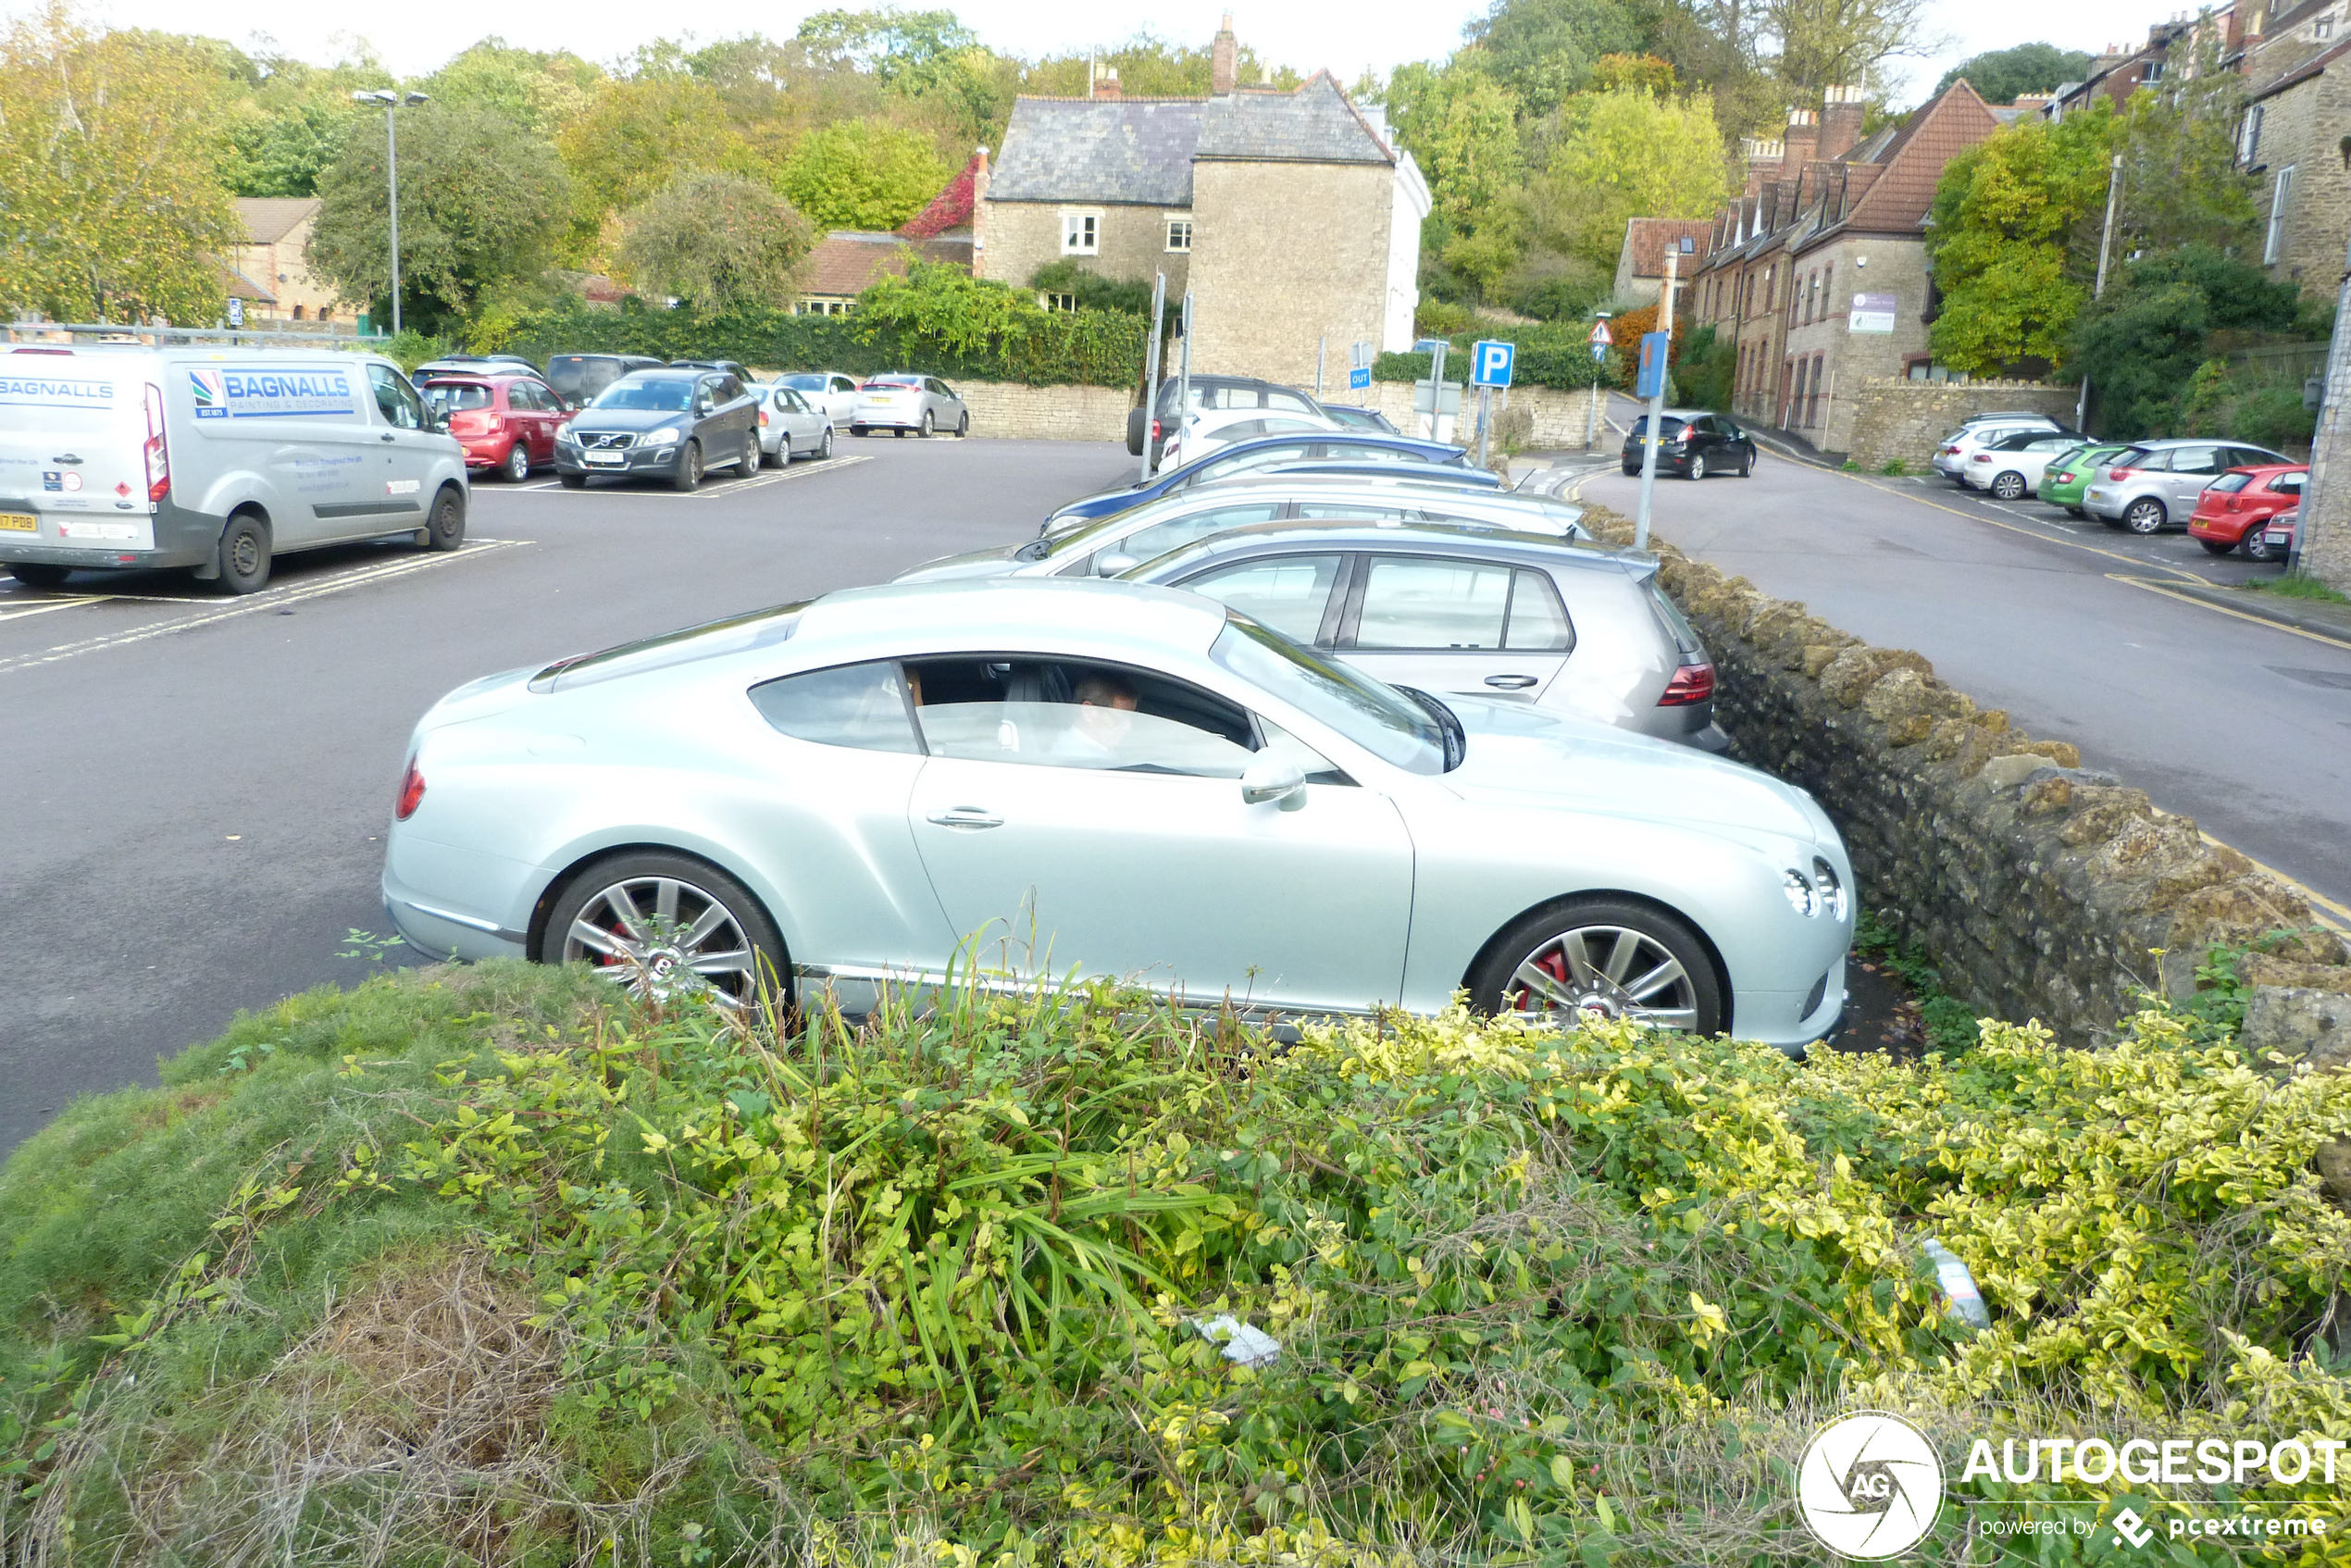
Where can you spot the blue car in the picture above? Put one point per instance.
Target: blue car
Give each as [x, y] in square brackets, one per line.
[1263, 451]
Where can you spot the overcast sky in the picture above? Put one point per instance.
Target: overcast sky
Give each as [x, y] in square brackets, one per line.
[414, 36]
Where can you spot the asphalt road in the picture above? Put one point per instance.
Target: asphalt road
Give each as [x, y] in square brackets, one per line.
[196, 786]
[2239, 724]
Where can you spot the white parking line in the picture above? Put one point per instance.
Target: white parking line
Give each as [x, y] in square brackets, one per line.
[719, 492]
[267, 599]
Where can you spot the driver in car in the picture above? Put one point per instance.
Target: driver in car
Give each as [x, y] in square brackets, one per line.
[1098, 733]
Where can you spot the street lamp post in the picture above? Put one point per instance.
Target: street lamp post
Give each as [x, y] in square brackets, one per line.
[391, 101]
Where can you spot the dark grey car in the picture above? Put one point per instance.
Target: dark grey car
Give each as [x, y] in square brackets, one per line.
[1575, 628]
[674, 425]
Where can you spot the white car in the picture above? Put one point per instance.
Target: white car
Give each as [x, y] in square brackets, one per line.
[2011, 468]
[830, 390]
[1950, 458]
[886, 787]
[1205, 429]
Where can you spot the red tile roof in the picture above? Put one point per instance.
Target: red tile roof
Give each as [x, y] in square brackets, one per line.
[847, 261]
[1649, 237]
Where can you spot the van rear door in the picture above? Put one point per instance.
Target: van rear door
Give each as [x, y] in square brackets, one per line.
[73, 434]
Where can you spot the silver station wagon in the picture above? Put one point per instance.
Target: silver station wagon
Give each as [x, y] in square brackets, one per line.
[1476, 612]
[1023, 782]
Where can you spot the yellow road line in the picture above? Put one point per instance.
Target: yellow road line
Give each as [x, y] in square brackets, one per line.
[10, 614]
[2224, 610]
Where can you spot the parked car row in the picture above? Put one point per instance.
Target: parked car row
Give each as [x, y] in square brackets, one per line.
[2224, 493]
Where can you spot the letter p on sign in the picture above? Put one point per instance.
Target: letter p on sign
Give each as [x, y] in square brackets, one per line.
[1490, 363]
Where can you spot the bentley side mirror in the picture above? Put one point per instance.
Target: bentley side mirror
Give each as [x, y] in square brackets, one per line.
[1110, 563]
[1267, 781]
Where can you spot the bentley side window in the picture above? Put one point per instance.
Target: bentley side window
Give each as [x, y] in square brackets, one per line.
[864, 706]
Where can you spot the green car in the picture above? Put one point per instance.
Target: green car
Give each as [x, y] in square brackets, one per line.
[2068, 474]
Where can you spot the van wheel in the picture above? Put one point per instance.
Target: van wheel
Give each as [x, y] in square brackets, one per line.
[446, 528]
[34, 575]
[244, 555]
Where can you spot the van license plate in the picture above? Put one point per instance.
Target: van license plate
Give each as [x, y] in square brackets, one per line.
[20, 522]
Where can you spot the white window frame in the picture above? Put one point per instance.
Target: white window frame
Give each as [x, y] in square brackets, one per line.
[2249, 141]
[1175, 221]
[2280, 193]
[1081, 231]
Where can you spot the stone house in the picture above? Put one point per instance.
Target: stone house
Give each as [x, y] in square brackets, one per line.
[2298, 108]
[1640, 265]
[1292, 216]
[267, 269]
[1819, 271]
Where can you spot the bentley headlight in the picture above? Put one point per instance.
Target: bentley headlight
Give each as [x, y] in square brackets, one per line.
[1801, 895]
[1832, 892]
[666, 436]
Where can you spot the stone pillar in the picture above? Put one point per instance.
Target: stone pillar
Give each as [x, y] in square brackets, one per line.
[2322, 547]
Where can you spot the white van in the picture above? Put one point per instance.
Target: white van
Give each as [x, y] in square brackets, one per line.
[129, 459]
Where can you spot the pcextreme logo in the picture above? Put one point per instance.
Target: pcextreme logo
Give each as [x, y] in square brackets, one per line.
[1869, 1485]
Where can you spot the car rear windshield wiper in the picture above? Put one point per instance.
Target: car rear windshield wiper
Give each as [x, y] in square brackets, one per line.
[1456, 738]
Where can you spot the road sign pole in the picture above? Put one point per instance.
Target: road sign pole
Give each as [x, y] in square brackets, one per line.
[1485, 421]
[1184, 368]
[1435, 387]
[1151, 370]
[1657, 409]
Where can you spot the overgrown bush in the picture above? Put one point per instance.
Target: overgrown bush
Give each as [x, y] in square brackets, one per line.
[1548, 356]
[946, 1287]
[1094, 292]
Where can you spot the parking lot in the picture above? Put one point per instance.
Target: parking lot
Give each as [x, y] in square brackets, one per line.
[156, 897]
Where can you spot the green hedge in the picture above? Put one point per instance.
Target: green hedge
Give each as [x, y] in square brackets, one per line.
[1083, 347]
[1548, 357]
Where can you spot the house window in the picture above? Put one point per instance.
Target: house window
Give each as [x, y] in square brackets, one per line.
[2249, 136]
[2322, 28]
[1689, 245]
[1059, 301]
[1828, 290]
[1770, 289]
[1180, 233]
[1081, 233]
[2279, 195]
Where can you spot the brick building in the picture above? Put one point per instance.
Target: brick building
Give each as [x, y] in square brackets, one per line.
[1818, 269]
[1640, 265]
[1293, 216]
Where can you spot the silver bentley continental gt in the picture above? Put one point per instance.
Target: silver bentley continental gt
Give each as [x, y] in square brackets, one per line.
[1082, 777]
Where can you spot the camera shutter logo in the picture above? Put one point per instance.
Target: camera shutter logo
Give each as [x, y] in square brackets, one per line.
[1869, 1485]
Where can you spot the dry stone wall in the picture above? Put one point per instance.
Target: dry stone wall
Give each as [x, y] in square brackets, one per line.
[1022, 413]
[1897, 418]
[2042, 889]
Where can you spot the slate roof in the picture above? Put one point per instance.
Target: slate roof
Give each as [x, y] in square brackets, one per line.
[268, 220]
[1315, 124]
[1111, 150]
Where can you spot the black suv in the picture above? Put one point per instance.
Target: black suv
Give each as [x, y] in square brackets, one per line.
[668, 424]
[577, 377]
[1212, 392]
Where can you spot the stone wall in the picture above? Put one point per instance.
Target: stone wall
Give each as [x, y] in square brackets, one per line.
[2042, 889]
[1132, 243]
[1525, 418]
[2300, 130]
[1019, 413]
[1897, 418]
[1285, 254]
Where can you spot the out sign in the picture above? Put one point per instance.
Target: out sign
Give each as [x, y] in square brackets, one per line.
[1490, 363]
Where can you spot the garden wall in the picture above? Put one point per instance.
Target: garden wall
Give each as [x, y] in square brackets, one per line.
[2042, 889]
[1527, 419]
[1896, 418]
[1066, 413]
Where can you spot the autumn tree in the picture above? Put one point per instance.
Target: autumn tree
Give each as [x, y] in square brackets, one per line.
[483, 203]
[864, 174]
[717, 242]
[1615, 156]
[636, 136]
[1813, 44]
[111, 191]
[1459, 124]
[2012, 240]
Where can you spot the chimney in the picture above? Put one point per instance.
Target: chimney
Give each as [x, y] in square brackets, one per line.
[1107, 86]
[1224, 59]
[980, 212]
[1802, 136]
[1840, 124]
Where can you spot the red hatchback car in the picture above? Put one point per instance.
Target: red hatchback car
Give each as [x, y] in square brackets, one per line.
[2233, 509]
[507, 423]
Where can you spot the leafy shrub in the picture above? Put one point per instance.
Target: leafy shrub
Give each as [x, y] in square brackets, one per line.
[1092, 290]
[1579, 1293]
[1548, 356]
[716, 241]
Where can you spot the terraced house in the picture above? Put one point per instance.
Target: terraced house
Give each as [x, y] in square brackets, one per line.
[1293, 216]
[1819, 269]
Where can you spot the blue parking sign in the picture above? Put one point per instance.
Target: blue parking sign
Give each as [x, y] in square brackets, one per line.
[1490, 363]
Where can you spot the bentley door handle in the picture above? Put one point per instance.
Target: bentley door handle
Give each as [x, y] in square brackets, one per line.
[966, 817]
[1510, 682]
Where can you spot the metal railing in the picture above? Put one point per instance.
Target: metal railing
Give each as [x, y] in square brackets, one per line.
[118, 331]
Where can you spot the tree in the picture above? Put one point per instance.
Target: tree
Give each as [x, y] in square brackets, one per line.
[541, 92]
[716, 241]
[1622, 155]
[111, 192]
[1543, 51]
[2014, 240]
[1819, 43]
[482, 202]
[2001, 76]
[635, 137]
[1459, 124]
[908, 47]
[864, 174]
[2140, 345]
[2182, 184]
